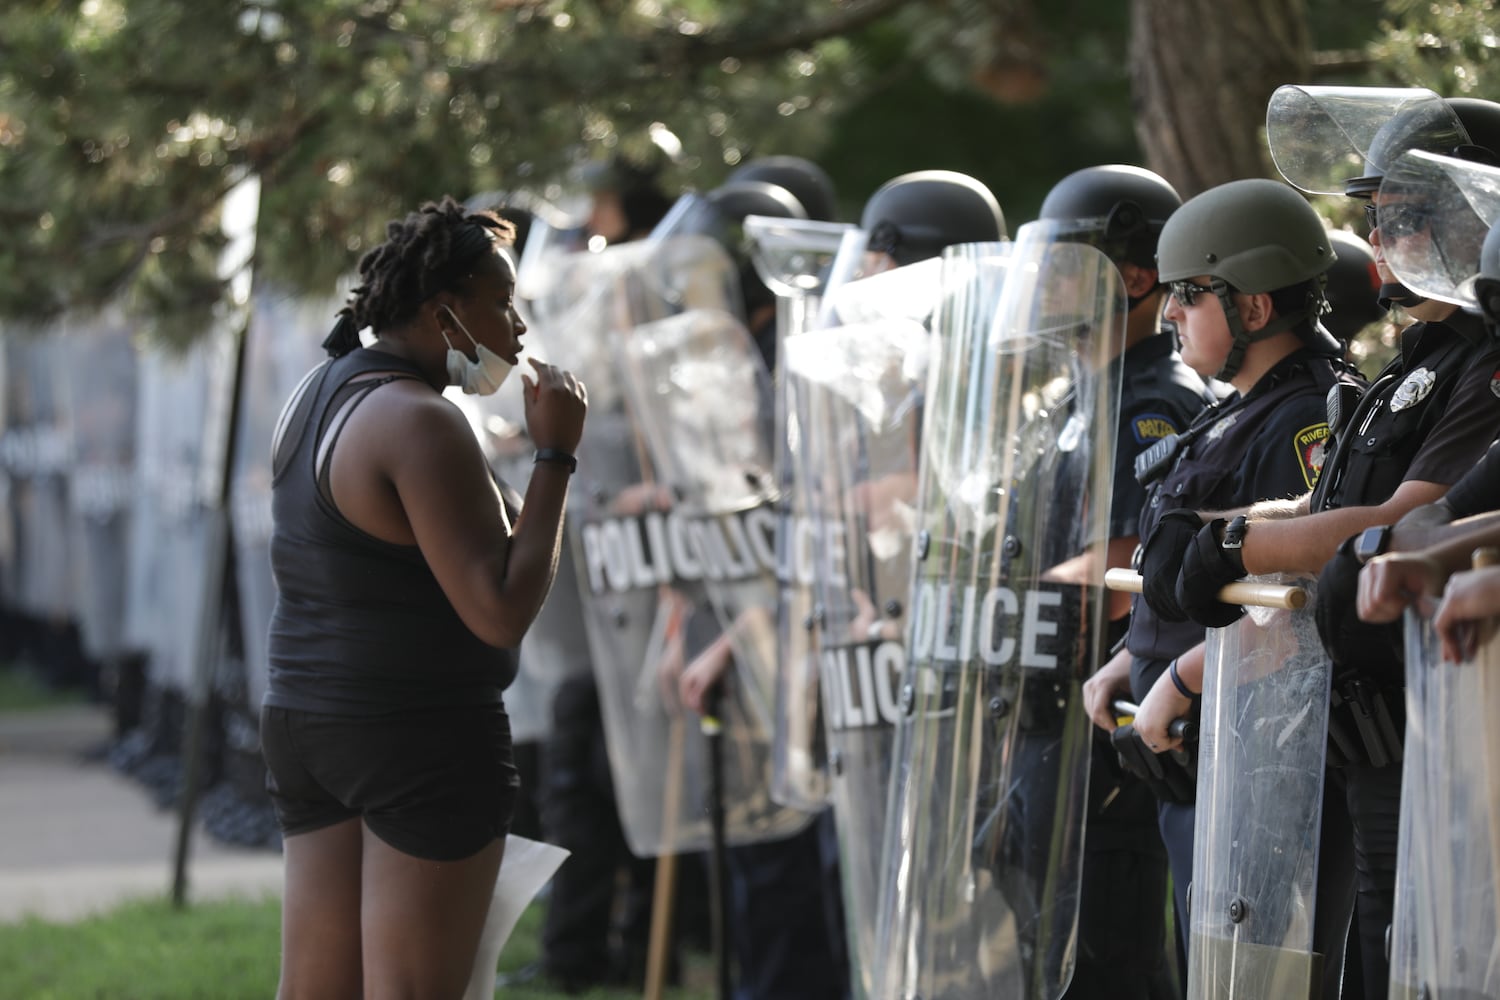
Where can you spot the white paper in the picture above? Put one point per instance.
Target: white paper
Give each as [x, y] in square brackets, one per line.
[526, 867]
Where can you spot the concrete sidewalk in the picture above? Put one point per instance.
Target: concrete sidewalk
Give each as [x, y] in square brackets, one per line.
[78, 837]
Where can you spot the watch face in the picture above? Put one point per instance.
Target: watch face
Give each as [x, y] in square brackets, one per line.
[1371, 543]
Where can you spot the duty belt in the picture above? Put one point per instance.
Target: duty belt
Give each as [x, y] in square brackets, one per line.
[1363, 723]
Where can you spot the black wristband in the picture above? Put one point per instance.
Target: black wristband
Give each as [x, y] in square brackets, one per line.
[1182, 688]
[556, 456]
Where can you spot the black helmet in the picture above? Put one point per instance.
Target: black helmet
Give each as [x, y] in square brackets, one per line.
[737, 199]
[1118, 208]
[807, 182]
[915, 216]
[1353, 286]
[1487, 284]
[1253, 235]
[1462, 127]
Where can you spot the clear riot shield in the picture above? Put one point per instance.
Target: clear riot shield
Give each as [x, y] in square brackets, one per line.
[179, 410]
[1322, 137]
[39, 443]
[640, 562]
[7, 509]
[1434, 214]
[983, 839]
[101, 399]
[1260, 806]
[1445, 940]
[857, 387]
[793, 257]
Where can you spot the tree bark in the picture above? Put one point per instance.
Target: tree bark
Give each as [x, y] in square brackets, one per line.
[1201, 72]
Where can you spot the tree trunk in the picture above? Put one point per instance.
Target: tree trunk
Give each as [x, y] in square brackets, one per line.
[1201, 72]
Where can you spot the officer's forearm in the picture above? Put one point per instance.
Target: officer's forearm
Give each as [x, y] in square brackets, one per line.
[1263, 510]
[1451, 546]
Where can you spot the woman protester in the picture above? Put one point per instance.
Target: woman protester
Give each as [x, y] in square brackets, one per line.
[405, 582]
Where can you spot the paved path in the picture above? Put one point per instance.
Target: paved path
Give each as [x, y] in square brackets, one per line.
[77, 836]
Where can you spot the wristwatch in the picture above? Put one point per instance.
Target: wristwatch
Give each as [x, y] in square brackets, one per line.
[1372, 542]
[1234, 534]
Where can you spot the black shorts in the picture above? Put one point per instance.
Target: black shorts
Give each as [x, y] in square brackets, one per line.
[438, 784]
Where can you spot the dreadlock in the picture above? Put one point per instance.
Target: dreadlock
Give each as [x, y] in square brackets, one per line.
[431, 250]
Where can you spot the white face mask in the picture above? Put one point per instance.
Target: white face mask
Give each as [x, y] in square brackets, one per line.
[477, 378]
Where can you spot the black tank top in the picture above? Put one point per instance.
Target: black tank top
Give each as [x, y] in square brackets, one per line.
[361, 626]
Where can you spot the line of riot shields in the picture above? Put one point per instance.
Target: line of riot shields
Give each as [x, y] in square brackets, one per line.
[898, 531]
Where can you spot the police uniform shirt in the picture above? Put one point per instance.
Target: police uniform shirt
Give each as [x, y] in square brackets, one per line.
[1268, 444]
[1159, 396]
[1478, 492]
[1429, 417]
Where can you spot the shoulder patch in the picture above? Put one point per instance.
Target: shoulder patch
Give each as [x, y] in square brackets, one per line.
[1149, 427]
[1311, 443]
[1495, 383]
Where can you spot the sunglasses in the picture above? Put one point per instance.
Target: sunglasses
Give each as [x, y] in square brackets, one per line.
[1398, 220]
[1186, 293]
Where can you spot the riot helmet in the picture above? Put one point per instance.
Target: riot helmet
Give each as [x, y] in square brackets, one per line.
[1252, 236]
[807, 182]
[1487, 285]
[1118, 208]
[1469, 130]
[915, 216]
[1353, 286]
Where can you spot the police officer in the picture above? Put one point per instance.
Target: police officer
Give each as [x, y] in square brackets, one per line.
[916, 216]
[1424, 422]
[1122, 947]
[1244, 262]
[603, 890]
[785, 911]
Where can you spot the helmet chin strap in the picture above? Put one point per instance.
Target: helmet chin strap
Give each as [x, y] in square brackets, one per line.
[1395, 293]
[1242, 337]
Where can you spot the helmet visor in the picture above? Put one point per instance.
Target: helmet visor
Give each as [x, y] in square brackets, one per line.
[1326, 140]
[1433, 213]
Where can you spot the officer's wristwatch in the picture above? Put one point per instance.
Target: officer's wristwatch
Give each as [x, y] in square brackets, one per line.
[1372, 542]
[1234, 533]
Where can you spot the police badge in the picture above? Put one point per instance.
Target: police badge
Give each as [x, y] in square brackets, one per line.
[1413, 389]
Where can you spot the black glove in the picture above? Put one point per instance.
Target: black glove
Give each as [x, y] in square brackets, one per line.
[1206, 568]
[1161, 561]
[1375, 651]
[1163, 773]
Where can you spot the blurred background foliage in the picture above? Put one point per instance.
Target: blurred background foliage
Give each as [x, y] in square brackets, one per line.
[124, 122]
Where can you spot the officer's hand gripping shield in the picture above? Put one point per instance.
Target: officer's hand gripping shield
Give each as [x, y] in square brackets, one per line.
[1433, 214]
[983, 843]
[640, 559]
[1324, 138]
[1445, 940]
[857, 386]
[1260, 805]
[793, 258]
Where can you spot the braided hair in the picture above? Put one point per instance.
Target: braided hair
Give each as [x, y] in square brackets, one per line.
[431, 250]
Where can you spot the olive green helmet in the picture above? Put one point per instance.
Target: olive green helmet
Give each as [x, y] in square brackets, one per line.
[1250, 236]
[1258, 235]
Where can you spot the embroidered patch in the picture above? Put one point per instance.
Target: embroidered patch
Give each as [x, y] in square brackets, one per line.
[1312, 447]
[1495, 383]
[1155, 426]
[1413, 389]
[1217, 430]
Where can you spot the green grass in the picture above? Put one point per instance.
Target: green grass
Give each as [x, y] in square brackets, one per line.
[22, 691]
[215, 951]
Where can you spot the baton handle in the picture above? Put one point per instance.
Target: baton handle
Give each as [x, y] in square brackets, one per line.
[1260, 595]
[1180, 729]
